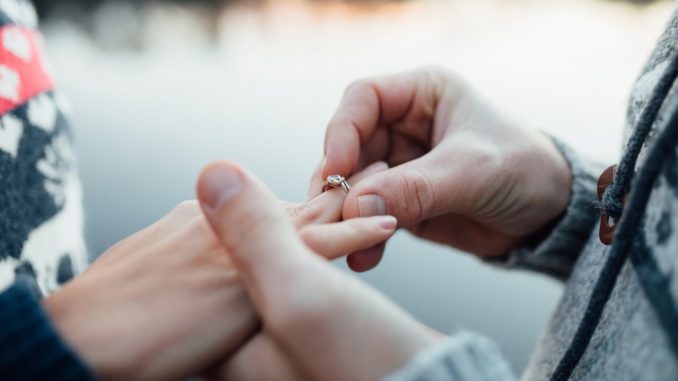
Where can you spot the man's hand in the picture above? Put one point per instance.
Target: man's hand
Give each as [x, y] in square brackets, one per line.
[460, 174]
[318, 320]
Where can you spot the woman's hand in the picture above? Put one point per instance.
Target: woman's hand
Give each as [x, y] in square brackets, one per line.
[167, 303]
[318, 321]
[160, 305]
[316, 220]
[461, 174]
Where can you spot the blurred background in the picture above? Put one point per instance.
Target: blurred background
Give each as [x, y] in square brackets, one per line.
[160, 88]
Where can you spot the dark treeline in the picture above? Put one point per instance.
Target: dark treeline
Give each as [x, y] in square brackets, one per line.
[49, 8]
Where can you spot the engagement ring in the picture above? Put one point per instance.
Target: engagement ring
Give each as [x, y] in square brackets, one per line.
[335, 181]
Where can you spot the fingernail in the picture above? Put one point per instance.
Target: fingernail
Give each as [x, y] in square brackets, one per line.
[387, 222]
[220, 184]
[371, 205]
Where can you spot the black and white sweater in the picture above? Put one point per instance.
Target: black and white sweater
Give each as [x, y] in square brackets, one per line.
[41, 219]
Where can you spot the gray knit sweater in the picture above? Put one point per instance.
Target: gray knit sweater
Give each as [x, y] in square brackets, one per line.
[634, 337]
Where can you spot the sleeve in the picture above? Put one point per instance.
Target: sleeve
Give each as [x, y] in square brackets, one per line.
[465, 356]
[30, 347]
[556, 253]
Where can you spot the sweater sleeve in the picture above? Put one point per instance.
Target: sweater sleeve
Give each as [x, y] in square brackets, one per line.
[30, 347]
[556, 253]
[465, 356]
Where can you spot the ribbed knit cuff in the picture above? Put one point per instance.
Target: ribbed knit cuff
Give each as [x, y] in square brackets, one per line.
[30, 348]
[465, 356]
[556, 253]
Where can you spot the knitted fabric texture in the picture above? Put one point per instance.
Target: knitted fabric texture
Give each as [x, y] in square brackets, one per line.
[30, 348]
[41, 220]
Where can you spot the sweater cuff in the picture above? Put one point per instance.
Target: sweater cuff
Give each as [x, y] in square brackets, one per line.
[465, 356]
[556, 253]
[30, 348]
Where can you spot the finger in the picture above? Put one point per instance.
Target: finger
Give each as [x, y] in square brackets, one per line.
[326, 207]
[341, 238]
[404, 100]
[365, 105]
[305, 303]
[367, 259]
[374, 151]
[258, 236]
[417, 190]
[376, 148]
[316, 184]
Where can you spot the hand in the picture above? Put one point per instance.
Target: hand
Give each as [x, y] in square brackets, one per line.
[461, 174]
[316, 221]
[326, 324]
[160, 305]
[166, 302]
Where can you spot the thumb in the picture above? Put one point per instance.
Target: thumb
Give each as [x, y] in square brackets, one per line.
[411, 192]
[250, 224]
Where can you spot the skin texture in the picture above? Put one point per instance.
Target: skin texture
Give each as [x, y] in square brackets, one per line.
[167, 303]
[461, 175]
[317, 321]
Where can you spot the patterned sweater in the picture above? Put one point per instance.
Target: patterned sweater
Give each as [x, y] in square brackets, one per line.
[40, 196]
[630, 332]
[41, 240]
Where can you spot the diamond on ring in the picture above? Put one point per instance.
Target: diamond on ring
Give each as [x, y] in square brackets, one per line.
[334, 181]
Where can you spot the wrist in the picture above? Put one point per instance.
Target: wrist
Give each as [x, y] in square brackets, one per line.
[92, 339]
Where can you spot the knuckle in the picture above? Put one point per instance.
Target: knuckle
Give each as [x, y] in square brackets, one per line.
[177, 217]
[302, 213]
[196, 236]
[192, 227]
[199, 227]
[443, 78]
[437, 73]
[360, 85]
[419, 189]
[186, 209]
[444, 74]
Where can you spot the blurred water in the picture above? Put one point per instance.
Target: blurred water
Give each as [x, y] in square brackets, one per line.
[147, 121]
